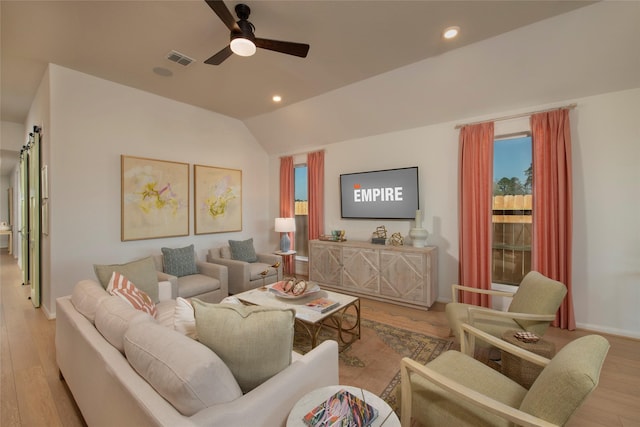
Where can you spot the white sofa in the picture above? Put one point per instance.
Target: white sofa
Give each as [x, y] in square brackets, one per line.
[110, 392]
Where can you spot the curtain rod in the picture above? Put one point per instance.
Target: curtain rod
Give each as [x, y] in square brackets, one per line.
[515, 116]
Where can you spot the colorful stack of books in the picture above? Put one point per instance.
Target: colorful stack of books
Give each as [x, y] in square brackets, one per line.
[343, 409]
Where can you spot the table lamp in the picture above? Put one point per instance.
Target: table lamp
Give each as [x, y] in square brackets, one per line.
[285, 226]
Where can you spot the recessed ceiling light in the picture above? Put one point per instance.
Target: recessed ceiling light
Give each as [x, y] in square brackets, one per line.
[451, 32]
[276, 98]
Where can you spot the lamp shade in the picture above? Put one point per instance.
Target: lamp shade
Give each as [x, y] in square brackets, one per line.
[285, 225]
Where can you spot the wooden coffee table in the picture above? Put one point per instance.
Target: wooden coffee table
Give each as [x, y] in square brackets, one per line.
[312, 321]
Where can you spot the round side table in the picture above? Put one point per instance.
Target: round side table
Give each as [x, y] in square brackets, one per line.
[522, 371]
[386, 417]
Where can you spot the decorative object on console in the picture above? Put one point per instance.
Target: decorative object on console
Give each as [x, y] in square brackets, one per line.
[397, 240]
[285, 226]
[154, 198]
[418, 234]
[379, 237]
[218, 199]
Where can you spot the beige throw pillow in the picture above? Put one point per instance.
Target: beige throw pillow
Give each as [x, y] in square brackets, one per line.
[254, 342]
[142, 272]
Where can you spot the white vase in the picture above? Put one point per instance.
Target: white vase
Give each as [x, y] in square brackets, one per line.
[418, 237]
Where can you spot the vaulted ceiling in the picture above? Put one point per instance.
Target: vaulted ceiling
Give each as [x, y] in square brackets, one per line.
[351, 42]
[125, 41]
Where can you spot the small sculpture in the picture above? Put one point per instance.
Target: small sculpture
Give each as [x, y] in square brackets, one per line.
[396, 239]
[381, 232]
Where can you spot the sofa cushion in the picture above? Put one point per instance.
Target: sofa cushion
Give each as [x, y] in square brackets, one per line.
[197, 284]
[255, 342]
[142, 272]
[180, 262]
[243, 250]
[113, 318]
[166, 312]
[186, 373]
[257, 268]
[125, 289]
[86, 297]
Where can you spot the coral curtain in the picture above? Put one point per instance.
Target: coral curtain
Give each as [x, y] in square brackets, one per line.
[287, 209]
[552, 207]
[475, 191]
[315, 170]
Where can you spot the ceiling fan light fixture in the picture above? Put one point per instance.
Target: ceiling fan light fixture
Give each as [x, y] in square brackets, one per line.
[243, 47]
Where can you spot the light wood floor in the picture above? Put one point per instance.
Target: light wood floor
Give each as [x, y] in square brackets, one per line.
[32, 394]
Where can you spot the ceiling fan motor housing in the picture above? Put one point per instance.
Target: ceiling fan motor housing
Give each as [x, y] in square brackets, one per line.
[246, 31]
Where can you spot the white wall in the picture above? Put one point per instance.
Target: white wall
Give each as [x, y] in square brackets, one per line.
[606, 152]
[93, 122]
[12, 138]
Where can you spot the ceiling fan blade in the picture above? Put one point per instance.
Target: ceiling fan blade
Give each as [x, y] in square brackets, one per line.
[223, 13]
[219, 57]
[290, 48]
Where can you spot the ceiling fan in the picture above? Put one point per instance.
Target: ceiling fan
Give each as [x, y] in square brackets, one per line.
[243, 42]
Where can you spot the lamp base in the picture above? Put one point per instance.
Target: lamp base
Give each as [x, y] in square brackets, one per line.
[285, 243]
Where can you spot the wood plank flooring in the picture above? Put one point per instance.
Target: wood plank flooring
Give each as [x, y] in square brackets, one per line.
[31, 393]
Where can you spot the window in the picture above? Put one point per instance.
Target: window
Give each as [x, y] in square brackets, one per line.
[301, 210]
[512, 208]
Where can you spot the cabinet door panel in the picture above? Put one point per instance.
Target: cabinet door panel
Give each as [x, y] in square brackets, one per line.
[325, 264]
[360, 269]
[402, 275]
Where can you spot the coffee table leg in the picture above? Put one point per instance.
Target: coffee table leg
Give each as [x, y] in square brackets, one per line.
[339, 323]
[353, 330]
[313, 330]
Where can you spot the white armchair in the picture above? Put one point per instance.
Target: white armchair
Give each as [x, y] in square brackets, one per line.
[243, 275]
[209, 283]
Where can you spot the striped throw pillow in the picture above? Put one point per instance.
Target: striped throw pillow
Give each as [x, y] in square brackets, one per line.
[122, 287]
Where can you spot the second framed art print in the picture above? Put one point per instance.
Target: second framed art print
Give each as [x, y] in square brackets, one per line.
[218, 199]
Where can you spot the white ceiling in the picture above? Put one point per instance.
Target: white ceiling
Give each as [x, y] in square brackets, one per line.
[351, 41]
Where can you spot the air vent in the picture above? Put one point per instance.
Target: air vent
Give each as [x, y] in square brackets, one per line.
[179, 58]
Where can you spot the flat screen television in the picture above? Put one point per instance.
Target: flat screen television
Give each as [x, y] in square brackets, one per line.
[383, 194]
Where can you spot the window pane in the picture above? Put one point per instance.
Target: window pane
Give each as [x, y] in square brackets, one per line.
[301, 210]
[512, 203]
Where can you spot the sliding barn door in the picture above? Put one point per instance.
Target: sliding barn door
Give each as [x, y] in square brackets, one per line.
[24, 216]
[30, 230]
[34, 218]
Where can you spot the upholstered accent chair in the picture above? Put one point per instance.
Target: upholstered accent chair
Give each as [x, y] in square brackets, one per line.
[533, 307]
[247, 270]
[457, 390]
[190, 277]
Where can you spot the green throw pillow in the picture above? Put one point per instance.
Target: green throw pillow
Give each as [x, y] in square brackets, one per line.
[141, 273]
[254, 342]
[180, 262]
[242, 250]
